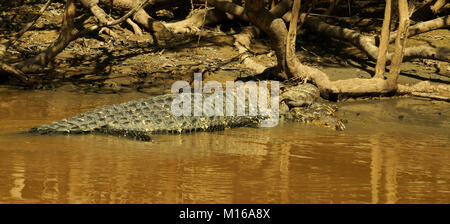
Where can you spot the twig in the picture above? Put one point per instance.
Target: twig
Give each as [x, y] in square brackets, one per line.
[3, 48]
[24, 29]
[114, 22]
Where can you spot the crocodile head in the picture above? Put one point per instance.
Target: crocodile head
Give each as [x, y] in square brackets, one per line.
[300, 103]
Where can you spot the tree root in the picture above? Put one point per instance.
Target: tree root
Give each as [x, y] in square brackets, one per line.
[68, 34]
[101, 15]
[366, 43]
[141, 17]
[283, 42]
[4, 47]
[196, 20]
[137, 30]
[285, 52]
[423, 27]
[426, 89]
[242, 42]
[16, 73]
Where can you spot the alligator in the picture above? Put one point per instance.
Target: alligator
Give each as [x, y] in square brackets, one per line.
[139, 119]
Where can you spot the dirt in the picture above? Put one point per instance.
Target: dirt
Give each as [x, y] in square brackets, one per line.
[393, 151]
[99, 63]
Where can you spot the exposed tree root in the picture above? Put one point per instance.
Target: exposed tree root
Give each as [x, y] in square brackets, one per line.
[400, 43]
[366, 43]
[242, 42]
[426, 89]
[4, 47]
[277, 32]
[363, 42]
[68, 33]
[137, 30]
[101, 15]
[16, 73]
[282, 41]
[426, 26]
[141, 17]
[287, 59]
[196, 20]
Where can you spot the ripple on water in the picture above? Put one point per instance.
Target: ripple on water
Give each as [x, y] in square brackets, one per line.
[380, 158]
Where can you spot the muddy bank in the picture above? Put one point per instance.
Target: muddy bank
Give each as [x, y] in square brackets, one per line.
[393, 151]
[100, 63]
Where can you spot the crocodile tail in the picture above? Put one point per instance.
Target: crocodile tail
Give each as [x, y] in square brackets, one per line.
[83, 123]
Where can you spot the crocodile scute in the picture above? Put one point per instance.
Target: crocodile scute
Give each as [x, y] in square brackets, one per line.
[141, 118]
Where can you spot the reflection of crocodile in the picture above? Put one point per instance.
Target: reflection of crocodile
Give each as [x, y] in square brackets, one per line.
[140, 118]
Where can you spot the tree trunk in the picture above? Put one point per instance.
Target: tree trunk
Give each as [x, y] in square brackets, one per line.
[380, 68]
[399, 43]
[68, 33]
[291, 37]
[274, 27]
[331, 89]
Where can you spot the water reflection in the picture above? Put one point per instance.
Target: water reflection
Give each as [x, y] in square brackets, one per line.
[383, 172]
[379, 159]
[18, 178]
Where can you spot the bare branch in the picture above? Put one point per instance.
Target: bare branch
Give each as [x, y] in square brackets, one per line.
[117, 21]
[17, 73]
[28, 26]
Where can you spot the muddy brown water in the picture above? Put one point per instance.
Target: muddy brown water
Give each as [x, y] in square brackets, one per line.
[393, 151]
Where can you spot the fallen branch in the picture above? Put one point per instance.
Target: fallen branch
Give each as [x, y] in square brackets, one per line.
[67, 34]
